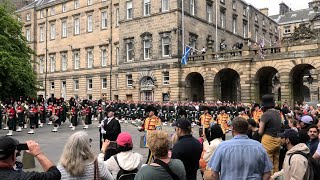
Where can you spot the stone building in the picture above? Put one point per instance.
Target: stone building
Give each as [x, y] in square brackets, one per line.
[288, 20]
[130, 50]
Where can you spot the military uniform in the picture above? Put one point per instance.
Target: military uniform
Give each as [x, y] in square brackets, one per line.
[222, 120]
[205, 120]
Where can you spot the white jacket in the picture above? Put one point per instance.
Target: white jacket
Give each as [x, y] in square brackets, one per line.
[127, 160]
[210, 149]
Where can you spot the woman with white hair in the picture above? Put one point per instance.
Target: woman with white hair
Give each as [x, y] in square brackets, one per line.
[78, 162]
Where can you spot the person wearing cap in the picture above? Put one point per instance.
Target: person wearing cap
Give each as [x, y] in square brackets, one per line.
[151, 123]
[270, 124]
[222, 120]
[206, 120]
[187, 149]
[229, 162]
[304, 123]
[295, 165]
[8, 154]
[110, 129]
[125, 158]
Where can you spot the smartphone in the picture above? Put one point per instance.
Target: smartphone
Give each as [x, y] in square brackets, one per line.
[22, 147]
[113, 145]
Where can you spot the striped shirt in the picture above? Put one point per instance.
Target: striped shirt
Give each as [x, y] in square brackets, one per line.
[88, 173]
[240, 158]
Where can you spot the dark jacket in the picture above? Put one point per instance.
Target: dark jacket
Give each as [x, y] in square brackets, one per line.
[113, 129]
[188, 150]
[303, 134]
[9, 174]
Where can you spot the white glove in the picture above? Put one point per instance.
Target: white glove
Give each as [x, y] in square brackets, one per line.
[103, 131]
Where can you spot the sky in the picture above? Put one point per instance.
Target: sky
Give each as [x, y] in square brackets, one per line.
[273, 5]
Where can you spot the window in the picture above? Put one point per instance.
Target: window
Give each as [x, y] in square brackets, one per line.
[90, 58]
[192, 7]
[28, 16]
[28, 34]
[276, 30]
[117, 55]
[147, 48]
[41, 65]
[209, 13]
[76, 4]
[103, 57]
[165, 46]
[42, 14]
[64, 61]
[52, 11]
[263, 22]
[104, 20]
[90, 23]
[129, 9]
[90, 2]
[76, 56]
[52, 31]
[117, 17]
[89, 84]
[166, 78]
[129, 80]
[193, 42]
[64, 7]
[245, 11]
[76, 26]
[117, 80]
[129, 49]
[256, 34]
[234, 25]
[256, 18]
[146, 7]
[245, 30]
[52, 85]
[76, 84]
[234, 4]
[222, 19]
[104, 83]
[41, 38]
[165, 5]
[64, 29]
[52, 63]
[287, 29]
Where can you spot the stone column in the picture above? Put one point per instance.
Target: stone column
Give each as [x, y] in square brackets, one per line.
[208, 90]
[286, 88]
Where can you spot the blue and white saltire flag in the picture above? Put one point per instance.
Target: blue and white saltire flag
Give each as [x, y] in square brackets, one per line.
[184, 59]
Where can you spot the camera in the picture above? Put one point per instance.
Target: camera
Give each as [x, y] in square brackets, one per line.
[23, 146]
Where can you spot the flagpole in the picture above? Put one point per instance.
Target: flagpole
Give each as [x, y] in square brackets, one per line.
[216, 26]
[182, 19]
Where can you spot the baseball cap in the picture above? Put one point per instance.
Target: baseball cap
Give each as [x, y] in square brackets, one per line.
[306, 119]
[183, 124]
[7, 146]
[289, 133]
[124, 139]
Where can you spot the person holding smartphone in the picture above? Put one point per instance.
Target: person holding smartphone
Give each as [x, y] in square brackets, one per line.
[9, 147]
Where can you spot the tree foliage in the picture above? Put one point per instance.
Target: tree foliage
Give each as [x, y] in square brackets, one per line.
[17, 76]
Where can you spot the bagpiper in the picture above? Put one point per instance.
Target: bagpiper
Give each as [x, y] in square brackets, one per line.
[74, 118]
[11, 119]
[33, 118]
[206, 120]
[42, 115]
[20, 116]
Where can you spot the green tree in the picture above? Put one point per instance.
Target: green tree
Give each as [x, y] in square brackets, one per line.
[17, 76]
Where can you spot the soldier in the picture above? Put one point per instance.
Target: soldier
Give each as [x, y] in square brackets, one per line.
[205, 121]
[257, 113]
[100, 113]
[50, 110]
[11, 119]
[42, 115]
[20, 116]
[151, 123]
[56, 118]
[242, 113]
[33, 118]
[74, 118]
[87, 120]
[223, 119]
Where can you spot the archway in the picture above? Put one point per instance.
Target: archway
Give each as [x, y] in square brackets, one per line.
[146, 89]
[227, 85]
[194, 87]
[267, 81]
[303, 79]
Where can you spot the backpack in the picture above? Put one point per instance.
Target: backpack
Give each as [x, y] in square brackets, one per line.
[314, 166]
[124, 174]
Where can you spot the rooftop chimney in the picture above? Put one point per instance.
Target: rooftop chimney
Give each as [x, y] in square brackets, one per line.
[265, 11]
[283, 8]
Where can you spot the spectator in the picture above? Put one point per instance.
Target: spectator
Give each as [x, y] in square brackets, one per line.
[292, 123]
[229, 162]
[158, 142]
[295, 166]
[304, 123]
[8, 154]
[78, 162]
[269, 126]
[216, 136]
[253, 130]
[313, 133]
[203, 50]
[126, 158]
[187, 149]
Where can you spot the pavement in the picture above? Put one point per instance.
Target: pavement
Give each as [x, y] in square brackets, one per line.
[52, 144]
